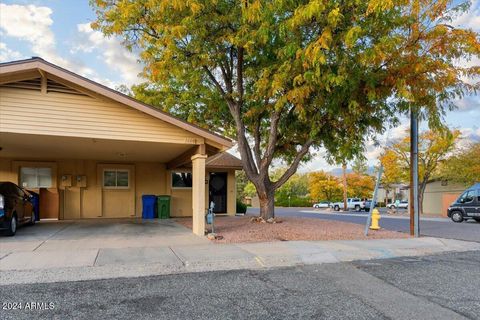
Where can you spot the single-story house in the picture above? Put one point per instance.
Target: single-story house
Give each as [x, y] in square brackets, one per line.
[92, 152]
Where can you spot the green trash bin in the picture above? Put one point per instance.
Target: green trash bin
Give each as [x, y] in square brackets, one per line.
[163, 207]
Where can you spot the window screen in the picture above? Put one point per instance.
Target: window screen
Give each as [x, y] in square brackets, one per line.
[113, 178]
[35, 177]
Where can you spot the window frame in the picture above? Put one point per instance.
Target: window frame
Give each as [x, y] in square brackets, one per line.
[463, 196]
[37, 184]
[116, 187]
[180, 188]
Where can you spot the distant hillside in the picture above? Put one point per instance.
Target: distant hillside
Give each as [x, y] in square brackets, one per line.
[338, 171]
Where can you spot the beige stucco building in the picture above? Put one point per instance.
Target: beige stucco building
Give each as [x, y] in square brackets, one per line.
[92, 152]
[439, 194]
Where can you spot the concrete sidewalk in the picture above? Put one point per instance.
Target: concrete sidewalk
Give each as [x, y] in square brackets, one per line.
[53, 264]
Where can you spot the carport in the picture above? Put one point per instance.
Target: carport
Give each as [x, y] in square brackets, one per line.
[92, 152]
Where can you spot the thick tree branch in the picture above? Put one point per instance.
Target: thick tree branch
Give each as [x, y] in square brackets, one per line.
[272, 138]
[240, 75]
[215, 82]
[256, 137]
[293, 168]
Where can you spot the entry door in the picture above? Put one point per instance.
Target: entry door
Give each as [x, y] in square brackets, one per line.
[218, 191]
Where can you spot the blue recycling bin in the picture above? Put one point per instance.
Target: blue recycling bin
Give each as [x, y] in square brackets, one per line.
[148, 206]
[36, 204]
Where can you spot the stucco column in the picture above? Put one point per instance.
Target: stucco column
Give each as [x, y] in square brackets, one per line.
[198, 194]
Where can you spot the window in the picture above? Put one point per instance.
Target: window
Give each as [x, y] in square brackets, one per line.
[35, 177]
[116, 179]
[467, 196]
[181, 179]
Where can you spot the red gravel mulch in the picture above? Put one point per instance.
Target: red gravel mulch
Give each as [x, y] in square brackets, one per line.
[241, 229]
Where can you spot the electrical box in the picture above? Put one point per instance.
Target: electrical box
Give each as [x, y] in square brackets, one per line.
[66, 180]
[82, 181]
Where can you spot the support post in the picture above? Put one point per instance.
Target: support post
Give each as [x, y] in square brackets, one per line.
[198, 194]
[414, 205]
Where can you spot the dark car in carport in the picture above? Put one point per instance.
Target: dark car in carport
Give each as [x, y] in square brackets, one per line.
[16, 208]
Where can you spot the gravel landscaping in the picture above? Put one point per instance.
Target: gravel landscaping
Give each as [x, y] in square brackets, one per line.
[241, 229]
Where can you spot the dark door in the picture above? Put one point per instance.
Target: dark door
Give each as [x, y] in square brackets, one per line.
[218, 191]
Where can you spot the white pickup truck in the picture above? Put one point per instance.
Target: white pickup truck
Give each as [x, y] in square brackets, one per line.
[352, 203]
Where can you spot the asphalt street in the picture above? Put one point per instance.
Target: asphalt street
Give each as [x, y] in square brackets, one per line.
[443, 228]
[431, 287]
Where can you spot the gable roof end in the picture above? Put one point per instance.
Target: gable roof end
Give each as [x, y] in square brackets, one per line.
[36, 64]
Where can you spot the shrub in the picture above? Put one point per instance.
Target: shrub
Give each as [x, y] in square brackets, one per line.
[294, 202]
[241, 207]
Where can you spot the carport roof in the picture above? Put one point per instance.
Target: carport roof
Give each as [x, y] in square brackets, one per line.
[12, 71]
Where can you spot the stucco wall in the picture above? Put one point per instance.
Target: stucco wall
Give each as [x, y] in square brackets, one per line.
[93, 201]
[182, 198]
[436, 195]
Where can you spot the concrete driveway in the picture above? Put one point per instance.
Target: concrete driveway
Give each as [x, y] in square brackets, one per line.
[52, 244]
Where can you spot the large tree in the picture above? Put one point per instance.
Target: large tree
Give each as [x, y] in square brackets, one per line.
[285, 77]
[360, 185]
[434, 148]
[463, 166]
[324, 186]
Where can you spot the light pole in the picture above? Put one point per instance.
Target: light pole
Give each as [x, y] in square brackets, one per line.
[414, 205]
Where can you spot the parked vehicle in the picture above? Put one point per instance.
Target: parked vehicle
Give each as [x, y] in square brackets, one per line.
[368, 203]
[16, 208]
[467, 206]
[398, 204]
[322, 205]
[352, 203]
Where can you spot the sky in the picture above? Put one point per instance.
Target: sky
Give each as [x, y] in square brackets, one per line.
[59, 31]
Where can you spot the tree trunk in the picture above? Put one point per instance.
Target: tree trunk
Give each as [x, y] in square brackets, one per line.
[267, 204]
[344, 171]
[421, 191]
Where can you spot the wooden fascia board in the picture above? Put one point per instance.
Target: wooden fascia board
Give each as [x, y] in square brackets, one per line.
[9, 78]
[185, 157]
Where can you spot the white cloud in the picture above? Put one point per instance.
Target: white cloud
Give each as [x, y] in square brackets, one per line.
[32, 24]
[470, 135]
[468, 103]
[470, 19]
[111, 51]
[7, 54]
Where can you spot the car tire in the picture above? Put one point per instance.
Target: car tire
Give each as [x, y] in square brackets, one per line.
[357, 208]
[476, 219]
[336, 208]
[457, 216]
[12, 226]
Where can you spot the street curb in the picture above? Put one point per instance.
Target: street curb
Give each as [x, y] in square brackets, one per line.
[205, 258]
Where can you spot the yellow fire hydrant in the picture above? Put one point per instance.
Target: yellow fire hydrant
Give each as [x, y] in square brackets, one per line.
[375, 218]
